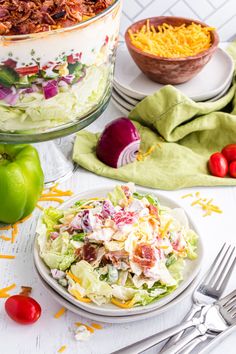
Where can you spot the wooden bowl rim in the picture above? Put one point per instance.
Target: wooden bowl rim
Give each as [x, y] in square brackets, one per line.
[140, 23]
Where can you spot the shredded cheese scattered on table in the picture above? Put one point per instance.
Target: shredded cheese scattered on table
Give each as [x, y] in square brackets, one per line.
[172, 41]
[7, 256]
[5, 238]
[4, 291]
[96, 325]
[90, 329]
[141, 156]
[187, 195]
[53, 194]
[62, 349]
[60, 312]
[205, 204]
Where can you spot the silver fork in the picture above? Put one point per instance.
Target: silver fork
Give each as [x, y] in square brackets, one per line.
[217, 319]
[214, 318]
[211, 286]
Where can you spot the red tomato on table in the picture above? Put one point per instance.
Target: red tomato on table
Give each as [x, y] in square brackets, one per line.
[23, 309]
[232, 169]
[229, 152]
[218, 165]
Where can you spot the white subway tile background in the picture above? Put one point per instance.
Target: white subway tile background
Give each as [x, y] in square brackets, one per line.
[218, 13]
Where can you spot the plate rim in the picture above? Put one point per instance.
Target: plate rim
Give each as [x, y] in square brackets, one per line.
[197, 98]
[45, 272]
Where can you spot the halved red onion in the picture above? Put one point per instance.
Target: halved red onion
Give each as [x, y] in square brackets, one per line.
[119, 143]
[50, 89]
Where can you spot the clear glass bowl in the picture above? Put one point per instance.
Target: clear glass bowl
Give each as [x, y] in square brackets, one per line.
[55, 83]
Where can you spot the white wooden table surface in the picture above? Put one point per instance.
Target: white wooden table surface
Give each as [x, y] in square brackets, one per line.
[48, 334]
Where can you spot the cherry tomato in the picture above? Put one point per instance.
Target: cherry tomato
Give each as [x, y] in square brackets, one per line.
[232, 169]
[218, 165]
[229, 152]
[23, 309]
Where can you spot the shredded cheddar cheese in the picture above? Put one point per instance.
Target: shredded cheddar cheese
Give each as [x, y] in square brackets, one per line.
[141, 156]
[14, 233]
[7, 256]
[4, 291]
[205, 204]
[172, 41]
[51, 199]
[90, 329]
[60, 313]
[5, 238]
[79, 297]
[74, 277]
[3, 228]
[123, 305]
[187, 195]
[96, 325]
[62, 349]
[166, 227]
[53, 194]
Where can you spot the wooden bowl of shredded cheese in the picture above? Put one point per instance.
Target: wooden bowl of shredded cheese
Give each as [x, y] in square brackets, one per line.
[171, 50]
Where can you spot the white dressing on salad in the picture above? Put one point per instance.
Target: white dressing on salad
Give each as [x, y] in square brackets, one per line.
[124, 247]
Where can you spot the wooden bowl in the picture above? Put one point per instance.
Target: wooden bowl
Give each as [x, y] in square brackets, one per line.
[169, 70]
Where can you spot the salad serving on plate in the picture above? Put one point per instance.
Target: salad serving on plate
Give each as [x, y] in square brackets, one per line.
[125, 248]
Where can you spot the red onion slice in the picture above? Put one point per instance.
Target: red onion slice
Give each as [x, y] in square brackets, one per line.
[129, 154]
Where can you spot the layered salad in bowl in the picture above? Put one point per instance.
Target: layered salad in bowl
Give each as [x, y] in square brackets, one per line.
[56, 61]
[124, 249]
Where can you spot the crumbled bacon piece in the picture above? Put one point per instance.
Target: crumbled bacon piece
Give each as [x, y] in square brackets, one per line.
[23, 17]
[144, 255]
[89, 252]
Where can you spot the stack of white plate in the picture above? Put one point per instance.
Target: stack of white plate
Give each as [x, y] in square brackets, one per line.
[109, 312]
[131, 85]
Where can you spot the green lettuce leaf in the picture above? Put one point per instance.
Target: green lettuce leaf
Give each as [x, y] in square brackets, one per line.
[176, 269]
[51, 217]
[97, 290]
[59, 254]
[192, 240]
[117, 196]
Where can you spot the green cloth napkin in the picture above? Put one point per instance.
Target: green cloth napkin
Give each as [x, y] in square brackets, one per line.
[187, 132]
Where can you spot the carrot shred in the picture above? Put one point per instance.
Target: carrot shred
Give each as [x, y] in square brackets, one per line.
[39, 206]
[60, 312]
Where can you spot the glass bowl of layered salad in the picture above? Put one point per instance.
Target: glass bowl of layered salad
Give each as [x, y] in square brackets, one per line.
[117, 251]
[56, 65]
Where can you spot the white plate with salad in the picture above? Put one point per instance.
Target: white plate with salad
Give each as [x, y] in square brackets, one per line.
[117, 252]
[117, 319]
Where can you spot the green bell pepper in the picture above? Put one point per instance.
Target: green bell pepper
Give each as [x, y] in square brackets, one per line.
[21, 181]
